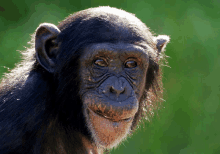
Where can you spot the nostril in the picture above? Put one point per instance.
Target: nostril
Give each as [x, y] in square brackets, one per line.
[118, 91]
[112, 90]
[123, 91]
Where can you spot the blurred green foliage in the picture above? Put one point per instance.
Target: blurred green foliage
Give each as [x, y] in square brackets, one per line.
[189, 123]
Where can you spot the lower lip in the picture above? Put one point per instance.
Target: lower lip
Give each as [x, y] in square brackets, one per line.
[113, 120]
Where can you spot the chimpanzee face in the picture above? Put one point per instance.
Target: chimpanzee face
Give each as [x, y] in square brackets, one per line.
[113, 80]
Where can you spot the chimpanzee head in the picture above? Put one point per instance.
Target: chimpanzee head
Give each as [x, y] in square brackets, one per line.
[106, 64]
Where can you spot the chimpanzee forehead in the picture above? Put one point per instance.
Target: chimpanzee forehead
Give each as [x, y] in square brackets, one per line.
[110, 50]
[115, 47]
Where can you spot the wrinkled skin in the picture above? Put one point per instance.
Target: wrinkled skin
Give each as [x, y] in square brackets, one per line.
[84, 85]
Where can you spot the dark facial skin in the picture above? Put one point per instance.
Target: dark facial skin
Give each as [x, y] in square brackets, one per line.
[111, 87]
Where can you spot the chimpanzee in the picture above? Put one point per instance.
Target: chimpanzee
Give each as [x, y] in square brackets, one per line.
[83, 86]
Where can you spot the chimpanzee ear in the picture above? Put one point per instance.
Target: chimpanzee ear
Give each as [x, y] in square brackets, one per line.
[161, 42]
[46, 45]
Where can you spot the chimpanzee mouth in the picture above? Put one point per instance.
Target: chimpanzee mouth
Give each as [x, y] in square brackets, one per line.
[99, 113]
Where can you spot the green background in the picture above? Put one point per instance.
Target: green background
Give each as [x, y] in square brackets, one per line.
[189, 122]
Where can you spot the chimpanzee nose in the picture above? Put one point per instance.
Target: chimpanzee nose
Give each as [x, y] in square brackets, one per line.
[117, 89]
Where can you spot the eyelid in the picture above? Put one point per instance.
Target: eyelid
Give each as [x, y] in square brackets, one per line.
[131, 65]
[100, 58]
[130, 59]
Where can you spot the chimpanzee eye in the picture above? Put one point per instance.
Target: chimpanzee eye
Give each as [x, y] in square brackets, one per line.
[131, 64]
[100, 62]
